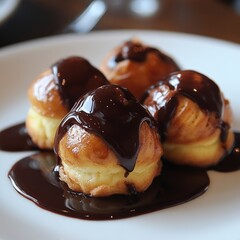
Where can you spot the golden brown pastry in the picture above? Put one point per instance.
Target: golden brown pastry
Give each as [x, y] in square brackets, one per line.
[136, 66]
[108, 144]
[53, 94]
[193, 118]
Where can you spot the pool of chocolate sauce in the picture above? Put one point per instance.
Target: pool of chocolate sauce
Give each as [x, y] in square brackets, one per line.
[16, 138]
[34, 177]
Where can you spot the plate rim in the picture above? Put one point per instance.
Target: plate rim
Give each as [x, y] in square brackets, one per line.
[33, 43]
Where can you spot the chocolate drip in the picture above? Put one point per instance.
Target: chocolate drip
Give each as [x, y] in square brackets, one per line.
[224, 131]
[137, 52]
[190, 84]
[74, 77]
[112, 113]
[231, 162]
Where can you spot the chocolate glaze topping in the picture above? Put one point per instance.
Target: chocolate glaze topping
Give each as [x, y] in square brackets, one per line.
[114, 114]
[74, 77]
[137, 52]
[190, 84]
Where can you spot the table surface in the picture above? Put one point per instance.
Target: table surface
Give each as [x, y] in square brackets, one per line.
[39, 18]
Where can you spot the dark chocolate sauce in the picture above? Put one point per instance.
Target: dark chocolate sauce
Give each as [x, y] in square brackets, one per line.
[34, 178]
[224, 131]
[137, 52]
[74, 77]
[230, 162]
[114, 114]
[16, 138]
[193, 85]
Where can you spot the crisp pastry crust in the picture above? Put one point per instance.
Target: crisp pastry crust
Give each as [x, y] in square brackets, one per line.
[46, 110]
[44, 96]
[56, 90]
[134, 75]
[193, 136]
[90, 166]
[193, 118]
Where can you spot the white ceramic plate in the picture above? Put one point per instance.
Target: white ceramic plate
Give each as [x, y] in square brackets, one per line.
[214, 215]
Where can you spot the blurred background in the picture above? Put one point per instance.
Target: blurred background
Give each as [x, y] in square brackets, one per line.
[22, 20]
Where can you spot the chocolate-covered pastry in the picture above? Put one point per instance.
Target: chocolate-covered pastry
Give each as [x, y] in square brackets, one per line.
[193, 118]
[136, 66]
[108, 144]
[53, 94]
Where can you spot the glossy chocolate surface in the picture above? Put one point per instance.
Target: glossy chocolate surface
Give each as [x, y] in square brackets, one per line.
[137, 52]
[230, 162]
[112, 113]
[16, 138]
[75, 76]
[162, 99]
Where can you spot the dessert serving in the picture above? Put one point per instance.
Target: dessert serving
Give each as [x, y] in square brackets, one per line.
[140, 142]
[53, 94]
[193, 118]
[136, 66]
